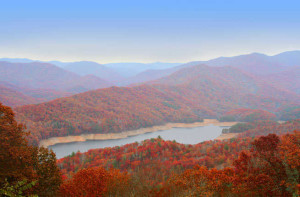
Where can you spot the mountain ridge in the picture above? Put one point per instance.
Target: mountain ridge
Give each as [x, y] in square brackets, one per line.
[188, 95]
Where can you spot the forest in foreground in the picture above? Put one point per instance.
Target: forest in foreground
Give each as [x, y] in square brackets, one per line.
[262, 161]
[149, 98]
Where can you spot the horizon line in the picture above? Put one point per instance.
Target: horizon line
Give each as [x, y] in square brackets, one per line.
[120, 62]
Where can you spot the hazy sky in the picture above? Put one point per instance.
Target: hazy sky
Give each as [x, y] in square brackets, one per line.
[146, 31]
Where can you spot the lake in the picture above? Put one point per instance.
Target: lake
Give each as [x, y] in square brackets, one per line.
[182, 135]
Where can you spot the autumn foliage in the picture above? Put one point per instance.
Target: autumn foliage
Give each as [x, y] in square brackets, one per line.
[265, 170]
[265, 166]
[108, 110]
[20, 162]
[248, 115]
[188, 95]
[269, 168]
[256, 163]
[290, 113]
[95, 182]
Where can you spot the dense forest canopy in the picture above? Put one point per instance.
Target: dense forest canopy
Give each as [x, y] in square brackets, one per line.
[188, 95]
[245, 166]
[24, 169]
[261, 161]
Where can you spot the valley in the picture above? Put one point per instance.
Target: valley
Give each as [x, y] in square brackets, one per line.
[85, 137]
[155, 122]
[181, 135]
[186, 96]
[149, 98]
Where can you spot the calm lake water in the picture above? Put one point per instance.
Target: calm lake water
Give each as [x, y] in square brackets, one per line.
[182, 135]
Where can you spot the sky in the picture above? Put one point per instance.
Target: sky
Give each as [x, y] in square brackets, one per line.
[146, 31]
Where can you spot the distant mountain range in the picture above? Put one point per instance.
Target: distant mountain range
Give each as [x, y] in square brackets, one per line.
[129, 70]
[44, 81]
[13, 95]
[110, 72]
[58, 79]
[256, 63]
[289, 79]
[93, 68]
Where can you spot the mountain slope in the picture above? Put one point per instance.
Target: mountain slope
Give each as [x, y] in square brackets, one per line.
[14, 98]
[103, 111]
[289, 58]
[226, 81]
[148, 75]
[86, 83]
[34, 75]
[255, 63]
[88, 68]
[132, 73]
[115, 71]
[16, 60]
[38, 75]
[131, 69]
[187, 95]
[12, 95]
[288, 80]
[151, 74]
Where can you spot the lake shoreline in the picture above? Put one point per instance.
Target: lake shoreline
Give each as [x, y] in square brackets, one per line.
[109, 136]
[227, 136]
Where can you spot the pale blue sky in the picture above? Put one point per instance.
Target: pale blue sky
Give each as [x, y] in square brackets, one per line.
[146, 31]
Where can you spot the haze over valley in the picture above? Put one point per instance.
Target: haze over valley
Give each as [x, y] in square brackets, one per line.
[149, 98]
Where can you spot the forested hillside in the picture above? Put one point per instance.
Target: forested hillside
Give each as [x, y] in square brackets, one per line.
[261, 164]
[13, 95]
[36, 82]
[37, 75]
[106, 110]
[45, 81]
[149, 98]
[288, 80]
[226, 80]
[280, 70]
[247, 115]
[188, 95]
[258, 63]
[14, 98]
[92, 68]
[154, 162]
[173, 155]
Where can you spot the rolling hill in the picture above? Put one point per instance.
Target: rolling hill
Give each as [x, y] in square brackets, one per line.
[130, 69]
[36, 75]
[288, 80]
[227, 81]
[35, 82]
[92, 68]
[260, 64]
[14, 98]
[133, 73]
[187, 95]
[276, 68]
[148, 75]
[12, 95]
